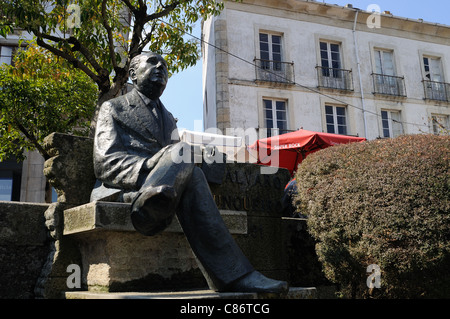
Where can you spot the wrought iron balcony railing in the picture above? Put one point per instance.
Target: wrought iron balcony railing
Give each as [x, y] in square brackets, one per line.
[332, 78]
[269, 132]
[439, 91]
[388, 84]
[274, 71]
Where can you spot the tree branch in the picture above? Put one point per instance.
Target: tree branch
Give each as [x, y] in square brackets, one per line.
[138, 28]
[130, 6]
[137, 42]
[147, 38]
[163, 13]
[75, 62]
[110, 35]
[32, 139]
[85, 52]
[77, 47]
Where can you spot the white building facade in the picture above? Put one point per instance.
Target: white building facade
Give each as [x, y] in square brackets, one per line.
[286, 65]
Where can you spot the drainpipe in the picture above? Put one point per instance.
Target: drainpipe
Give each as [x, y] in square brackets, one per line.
[359, 74]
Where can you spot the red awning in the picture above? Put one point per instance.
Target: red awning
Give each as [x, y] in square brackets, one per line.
[288, 150]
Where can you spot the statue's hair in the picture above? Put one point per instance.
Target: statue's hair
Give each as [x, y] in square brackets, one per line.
[135, 61]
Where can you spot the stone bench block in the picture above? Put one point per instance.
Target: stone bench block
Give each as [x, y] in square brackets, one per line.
[117, 258]
[114, 216]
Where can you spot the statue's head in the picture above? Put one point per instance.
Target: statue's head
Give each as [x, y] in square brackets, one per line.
[149, 74]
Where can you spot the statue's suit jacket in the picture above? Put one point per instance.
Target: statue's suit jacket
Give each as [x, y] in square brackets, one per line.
[129, 141]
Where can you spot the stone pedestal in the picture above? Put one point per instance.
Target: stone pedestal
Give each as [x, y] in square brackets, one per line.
[117, 258]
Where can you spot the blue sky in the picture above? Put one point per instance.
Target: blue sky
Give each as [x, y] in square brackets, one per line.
[183, 95]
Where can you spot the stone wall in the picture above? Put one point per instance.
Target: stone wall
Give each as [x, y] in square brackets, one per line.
[23, 248]
[244, 188]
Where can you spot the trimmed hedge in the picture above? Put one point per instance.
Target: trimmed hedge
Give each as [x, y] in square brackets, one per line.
[383, 202]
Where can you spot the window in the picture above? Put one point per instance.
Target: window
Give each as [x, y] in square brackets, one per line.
[330, 59]
[384, 77]
[330, 72]
[391, 123]
[6, 54]
[275, 116]
[10, 179]
[440, 124]
[270, 51]
[336, 119]
[5, 189]
[384, 62]
[435, 88]
[433, 69]
[270, 66]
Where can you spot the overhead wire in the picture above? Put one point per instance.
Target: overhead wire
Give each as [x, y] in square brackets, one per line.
[285, 78]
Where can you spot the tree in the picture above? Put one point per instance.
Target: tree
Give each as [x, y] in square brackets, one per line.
[39, 95]
[100, 37]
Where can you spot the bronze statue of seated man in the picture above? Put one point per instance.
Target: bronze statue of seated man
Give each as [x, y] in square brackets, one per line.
[134, 153]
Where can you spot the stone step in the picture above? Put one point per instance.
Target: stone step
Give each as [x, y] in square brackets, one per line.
[294, 293]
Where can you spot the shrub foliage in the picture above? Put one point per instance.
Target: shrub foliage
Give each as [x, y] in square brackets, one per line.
[383, 202]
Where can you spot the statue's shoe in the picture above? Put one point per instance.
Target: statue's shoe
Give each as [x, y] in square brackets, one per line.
[257, 282]
[153, 209]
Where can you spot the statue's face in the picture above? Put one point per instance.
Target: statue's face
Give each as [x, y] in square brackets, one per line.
[150, 76]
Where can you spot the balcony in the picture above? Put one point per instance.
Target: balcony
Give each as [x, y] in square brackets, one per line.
[389, 85]
[331, 78]
[274, 71]
[438, 91]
